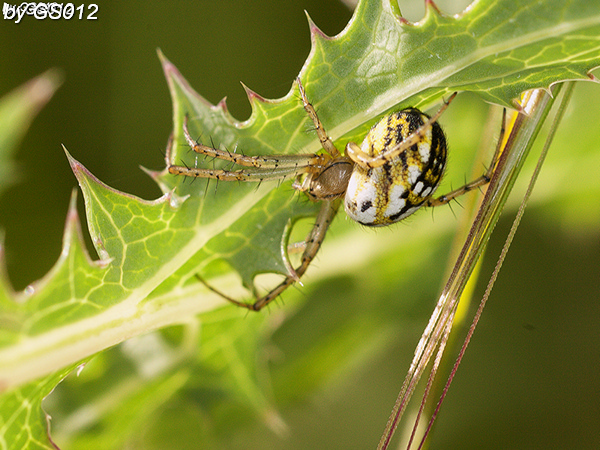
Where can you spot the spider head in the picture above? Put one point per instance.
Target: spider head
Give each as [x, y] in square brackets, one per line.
[332, 181]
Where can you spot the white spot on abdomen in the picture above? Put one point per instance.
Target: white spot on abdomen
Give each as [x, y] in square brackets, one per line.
[361, 197]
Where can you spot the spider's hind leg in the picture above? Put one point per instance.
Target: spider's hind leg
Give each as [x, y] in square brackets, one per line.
[312, 244]
[478, 182]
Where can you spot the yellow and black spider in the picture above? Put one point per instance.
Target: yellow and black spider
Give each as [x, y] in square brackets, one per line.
[394, 172]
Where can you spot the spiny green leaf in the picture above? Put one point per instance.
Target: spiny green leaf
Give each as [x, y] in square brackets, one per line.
[150, 250]
[381, 62]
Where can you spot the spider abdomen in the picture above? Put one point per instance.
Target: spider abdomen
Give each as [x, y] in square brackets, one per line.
[389, 192]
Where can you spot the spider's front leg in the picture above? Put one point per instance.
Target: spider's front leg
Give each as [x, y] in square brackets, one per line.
[326, 142]
[256, 168]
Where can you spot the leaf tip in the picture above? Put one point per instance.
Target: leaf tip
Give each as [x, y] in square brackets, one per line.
[175, 79]
[78, 169]
[154, 174]
[175, 201]
[161, 55]
[167, 65]
[433, 12]
[42, 88]
[75, 165]
[222, 105]
[252, 96]
[81, 172]
[430, 5]
[276, 423]
[315, 32]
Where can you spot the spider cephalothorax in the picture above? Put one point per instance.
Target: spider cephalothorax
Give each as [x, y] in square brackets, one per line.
[393, 173]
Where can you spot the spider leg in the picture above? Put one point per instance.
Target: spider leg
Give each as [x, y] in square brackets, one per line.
[296, 247]
[270, 161]
[252, 175]
[259, 168]
[478, 182]
[313, 243]
[325, 140]
[363, 159]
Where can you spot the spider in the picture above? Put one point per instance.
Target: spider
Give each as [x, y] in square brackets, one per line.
[393, 173]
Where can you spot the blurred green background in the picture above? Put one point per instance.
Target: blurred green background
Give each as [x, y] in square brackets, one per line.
[530, 378]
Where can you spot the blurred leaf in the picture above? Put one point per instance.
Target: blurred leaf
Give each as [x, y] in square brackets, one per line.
[17, 110]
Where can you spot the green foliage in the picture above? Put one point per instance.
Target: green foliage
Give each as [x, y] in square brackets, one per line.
[17, 110]
[150, 251]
